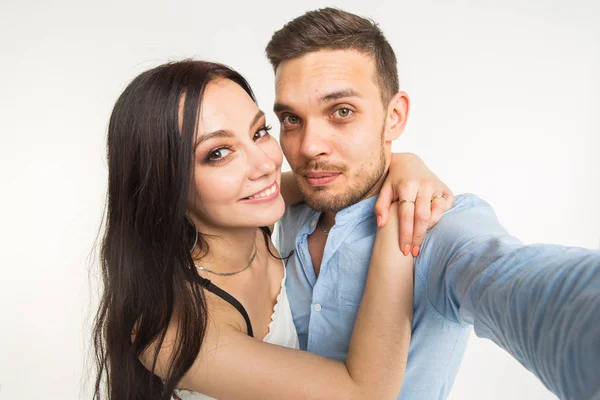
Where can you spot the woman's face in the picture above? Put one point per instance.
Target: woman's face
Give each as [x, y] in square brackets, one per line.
[237, 163]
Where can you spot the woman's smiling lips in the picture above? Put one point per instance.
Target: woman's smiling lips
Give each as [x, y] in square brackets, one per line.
[266, 194]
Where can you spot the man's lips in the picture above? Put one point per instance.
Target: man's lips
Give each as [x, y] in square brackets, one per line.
[321, 178]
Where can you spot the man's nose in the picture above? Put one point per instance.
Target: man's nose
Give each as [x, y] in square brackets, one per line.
[315, 141]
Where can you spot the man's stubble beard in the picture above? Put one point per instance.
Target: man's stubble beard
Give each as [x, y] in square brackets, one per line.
[323, 202]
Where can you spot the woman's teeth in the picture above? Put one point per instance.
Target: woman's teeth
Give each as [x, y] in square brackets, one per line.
[265, 193]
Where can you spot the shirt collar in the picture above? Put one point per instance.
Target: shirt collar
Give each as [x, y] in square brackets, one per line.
[356, 212]
[360, 210]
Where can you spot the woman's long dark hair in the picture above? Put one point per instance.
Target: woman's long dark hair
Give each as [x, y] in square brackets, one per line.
[147, 269]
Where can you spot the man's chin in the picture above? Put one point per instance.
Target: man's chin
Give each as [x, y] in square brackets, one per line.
[323, 200]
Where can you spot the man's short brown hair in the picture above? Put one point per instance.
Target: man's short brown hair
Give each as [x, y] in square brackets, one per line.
[334, 29]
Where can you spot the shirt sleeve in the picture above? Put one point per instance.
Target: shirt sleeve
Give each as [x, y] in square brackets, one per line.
[541, 303]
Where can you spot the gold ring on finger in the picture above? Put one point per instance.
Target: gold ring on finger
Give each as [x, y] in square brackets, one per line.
[405, 201]
[437, 196]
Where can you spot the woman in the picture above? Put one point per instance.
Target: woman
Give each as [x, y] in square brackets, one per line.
[194, 292]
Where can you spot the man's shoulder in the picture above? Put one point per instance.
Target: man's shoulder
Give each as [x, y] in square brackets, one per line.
[470, 218]
[296, 216]
[290, 224]
[468, 202]
[462, 242]
[468, 212]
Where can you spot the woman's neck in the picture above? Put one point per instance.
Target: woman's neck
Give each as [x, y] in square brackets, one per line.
[229, 250]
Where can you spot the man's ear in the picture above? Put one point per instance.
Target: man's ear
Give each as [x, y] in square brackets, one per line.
[397, 115]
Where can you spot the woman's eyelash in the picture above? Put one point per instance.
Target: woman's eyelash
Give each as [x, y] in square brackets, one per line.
[265, 128]
[208, 158]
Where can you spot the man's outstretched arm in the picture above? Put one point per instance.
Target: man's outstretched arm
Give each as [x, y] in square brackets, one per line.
[541, 303]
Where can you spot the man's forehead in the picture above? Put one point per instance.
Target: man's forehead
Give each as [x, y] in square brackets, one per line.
[324, 71]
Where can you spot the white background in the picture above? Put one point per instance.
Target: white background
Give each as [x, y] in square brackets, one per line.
[505, 99]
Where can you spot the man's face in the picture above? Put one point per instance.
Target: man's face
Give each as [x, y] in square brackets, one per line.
[332, 126]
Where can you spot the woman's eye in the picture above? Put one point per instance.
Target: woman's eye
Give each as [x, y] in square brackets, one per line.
[218, 154]
[290, 120]
[343, 112]
[262, 132]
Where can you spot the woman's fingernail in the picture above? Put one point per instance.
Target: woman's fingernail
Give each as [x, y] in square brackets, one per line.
[415, 251]
[406, 250]
[379, 221]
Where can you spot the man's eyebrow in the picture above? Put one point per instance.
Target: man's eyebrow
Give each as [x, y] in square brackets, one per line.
[279, 107]
[339, 94]
[221, 133]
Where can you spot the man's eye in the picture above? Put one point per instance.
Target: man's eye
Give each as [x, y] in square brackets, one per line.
[343, 112]
[218, 154]
[290, 120]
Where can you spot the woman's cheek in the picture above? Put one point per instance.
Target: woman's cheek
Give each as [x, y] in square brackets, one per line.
[275, 153]
[223, 187]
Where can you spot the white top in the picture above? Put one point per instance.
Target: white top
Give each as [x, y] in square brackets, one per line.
[282, 332]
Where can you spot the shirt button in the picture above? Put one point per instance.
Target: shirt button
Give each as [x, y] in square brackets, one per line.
[313, 222]
[317, 307]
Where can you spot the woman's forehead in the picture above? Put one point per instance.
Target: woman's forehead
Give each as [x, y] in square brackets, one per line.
[226, 106]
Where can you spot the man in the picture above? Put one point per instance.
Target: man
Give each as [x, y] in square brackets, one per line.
[338, 100]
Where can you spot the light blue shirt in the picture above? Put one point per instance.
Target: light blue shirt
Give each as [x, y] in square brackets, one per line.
[541, 303]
